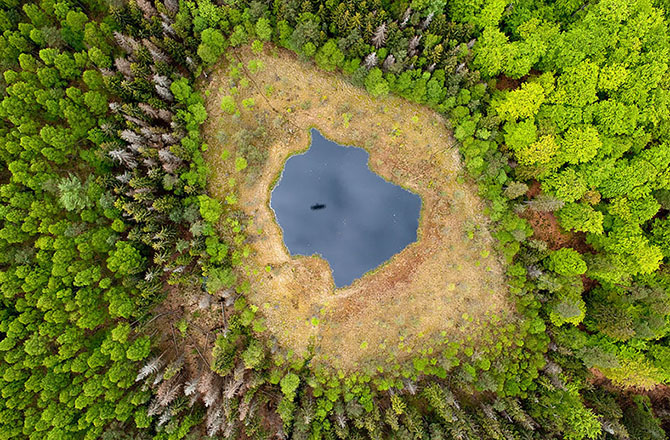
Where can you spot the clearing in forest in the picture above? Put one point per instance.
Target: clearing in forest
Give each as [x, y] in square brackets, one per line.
[444, 286]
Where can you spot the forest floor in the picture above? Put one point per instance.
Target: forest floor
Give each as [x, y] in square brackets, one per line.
[441, 288]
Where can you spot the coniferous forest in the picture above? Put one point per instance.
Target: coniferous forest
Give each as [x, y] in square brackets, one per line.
[127, 306]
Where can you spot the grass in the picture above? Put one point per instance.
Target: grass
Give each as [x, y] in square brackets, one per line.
[444, 287]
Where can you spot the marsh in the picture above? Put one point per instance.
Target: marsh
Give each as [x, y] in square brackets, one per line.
[328, 202]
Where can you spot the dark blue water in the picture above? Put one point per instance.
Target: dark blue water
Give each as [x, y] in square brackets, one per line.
[328, 202]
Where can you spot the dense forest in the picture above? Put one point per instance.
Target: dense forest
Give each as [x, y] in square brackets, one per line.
[561, 112]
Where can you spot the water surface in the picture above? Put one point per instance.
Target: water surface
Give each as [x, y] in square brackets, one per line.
[328, 202]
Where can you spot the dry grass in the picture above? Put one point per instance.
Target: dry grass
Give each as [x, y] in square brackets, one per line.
[440, 287]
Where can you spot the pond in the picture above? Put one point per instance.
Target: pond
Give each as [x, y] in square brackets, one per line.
[328, 202]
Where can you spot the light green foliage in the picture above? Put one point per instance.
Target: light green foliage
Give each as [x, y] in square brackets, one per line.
[566, 261]
[210, 209]
[519, 135]
[76, 20]
[584, 112]
[73, 195]
[181, 90]
[254, 354]
[329, 56]
[581, 217]
[540, 152]
[255, 66]
[248, 103]
[375, 84]
[484, 13]
[212, 46]
[490, 54]
[521, 103]
[580, 144]
[125, 259]
[263, 29]
[611, 77]
[289, 385]
[228, 104]
[219, 278]
[568, 309]
[577, 85]
[567, 185]
[240, 163]
[257, 46]
[634, 210]
[239, 36]
[139, 349]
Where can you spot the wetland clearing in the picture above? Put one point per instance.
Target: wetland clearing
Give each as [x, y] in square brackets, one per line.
[442, 287]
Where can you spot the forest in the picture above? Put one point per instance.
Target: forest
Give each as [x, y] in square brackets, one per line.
[130, 306]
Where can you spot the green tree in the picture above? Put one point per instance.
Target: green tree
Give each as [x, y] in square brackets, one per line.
[580, 144]
[289, 385]
[521, 103]
[73, 195]
[210, 209]
[212, 45]
[566, 261]
[329, 56]
[375, 83]
[263, 29]
[581, 217]
[125, 259]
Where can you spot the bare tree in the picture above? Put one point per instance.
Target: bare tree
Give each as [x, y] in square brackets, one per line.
[410, 387]
[427, 21]
[389, 62]
[167, 392]
[147, 8]
[172, 6]
[157, 54]
[124, 157]
[131, 137]
[123, 66]
[214, 421]
[125, 42]
[208, 390]
[161, 80]
[414, 43]
[164, 418]
[165, 115]
[405, 17]
[167, 27]
[164, 93]
[151, 367]
[370, 60]
[167, 157]
[379, 37]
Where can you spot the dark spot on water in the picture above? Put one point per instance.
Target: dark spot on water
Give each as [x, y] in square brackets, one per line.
[328, 202]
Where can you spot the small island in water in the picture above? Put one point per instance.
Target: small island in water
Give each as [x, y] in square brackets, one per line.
[328, 202]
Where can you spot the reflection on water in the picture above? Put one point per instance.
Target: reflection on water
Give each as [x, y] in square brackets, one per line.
[328, 202]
